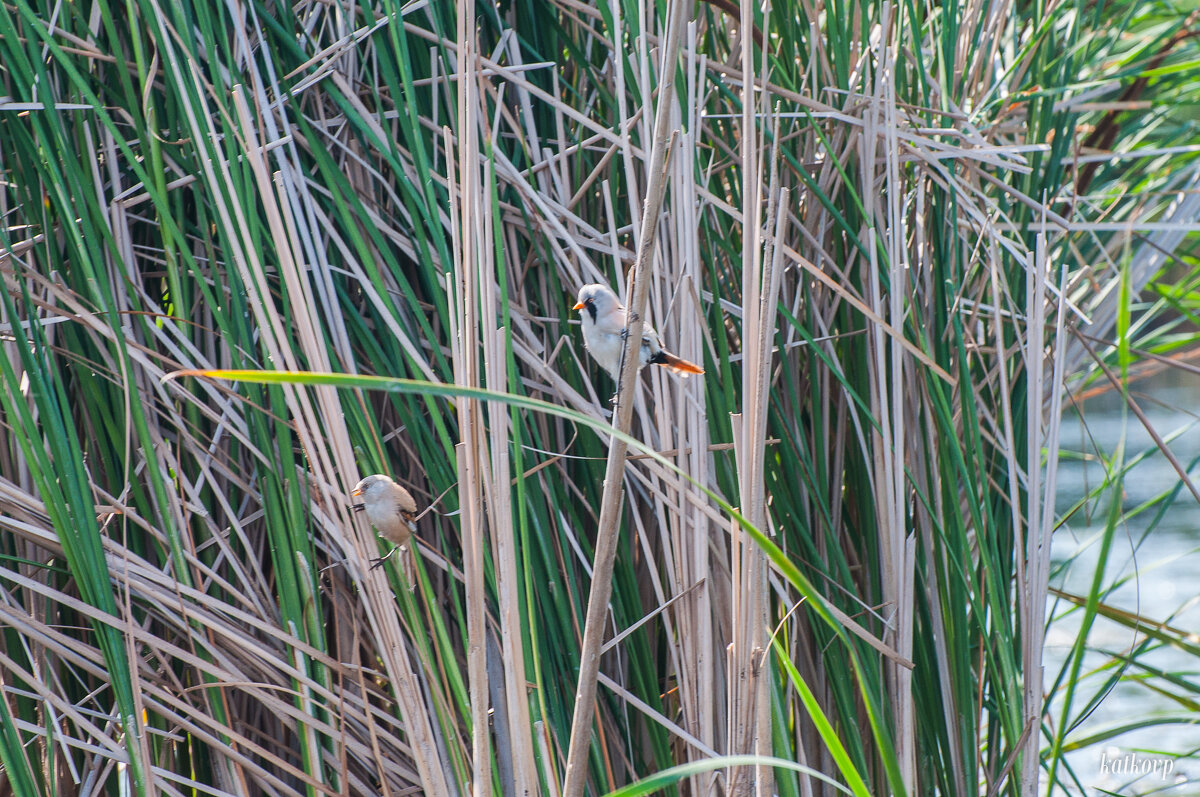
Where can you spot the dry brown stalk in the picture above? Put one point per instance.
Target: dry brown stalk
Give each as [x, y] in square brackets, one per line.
[609, 528]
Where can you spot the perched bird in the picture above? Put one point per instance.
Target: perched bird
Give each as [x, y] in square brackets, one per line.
[390, 508]
[604, 334]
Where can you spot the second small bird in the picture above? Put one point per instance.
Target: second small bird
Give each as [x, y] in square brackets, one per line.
[603, 319]
[390, 508]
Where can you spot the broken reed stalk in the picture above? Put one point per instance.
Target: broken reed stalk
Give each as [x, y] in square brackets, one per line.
[749, 706]
[608, 527]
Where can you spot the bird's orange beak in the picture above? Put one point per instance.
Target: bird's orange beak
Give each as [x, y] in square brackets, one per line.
[578, 306]
[356, 492]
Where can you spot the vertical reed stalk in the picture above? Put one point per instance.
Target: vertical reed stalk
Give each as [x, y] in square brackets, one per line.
[471, 451]
[749, 697]
[608, 526]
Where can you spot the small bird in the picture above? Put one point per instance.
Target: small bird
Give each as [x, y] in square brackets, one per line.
[390, 508]
[604, 334]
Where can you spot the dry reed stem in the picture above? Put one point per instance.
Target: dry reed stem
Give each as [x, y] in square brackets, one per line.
[608, 527]
[1040, 524]
[749, 706]
[899, 545]
[515, 697]
[471, 447]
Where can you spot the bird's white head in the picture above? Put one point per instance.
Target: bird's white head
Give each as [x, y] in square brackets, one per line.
[378, 491]
[596, 300]
[373, 486]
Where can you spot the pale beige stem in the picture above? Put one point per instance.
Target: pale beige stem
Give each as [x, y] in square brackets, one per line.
[748, 697]
[609, 524]
[470, 421]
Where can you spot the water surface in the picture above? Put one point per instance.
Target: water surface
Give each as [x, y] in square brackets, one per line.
[1156, 553]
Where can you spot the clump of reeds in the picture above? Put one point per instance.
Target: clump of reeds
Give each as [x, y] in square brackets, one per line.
[890, 233]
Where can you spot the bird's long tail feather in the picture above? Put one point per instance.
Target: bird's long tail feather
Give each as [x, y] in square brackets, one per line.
[676, 364]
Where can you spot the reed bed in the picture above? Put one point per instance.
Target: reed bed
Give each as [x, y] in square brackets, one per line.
[255, 251]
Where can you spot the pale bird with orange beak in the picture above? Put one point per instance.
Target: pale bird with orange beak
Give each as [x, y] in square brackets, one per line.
[603, 320]
[390, 508]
